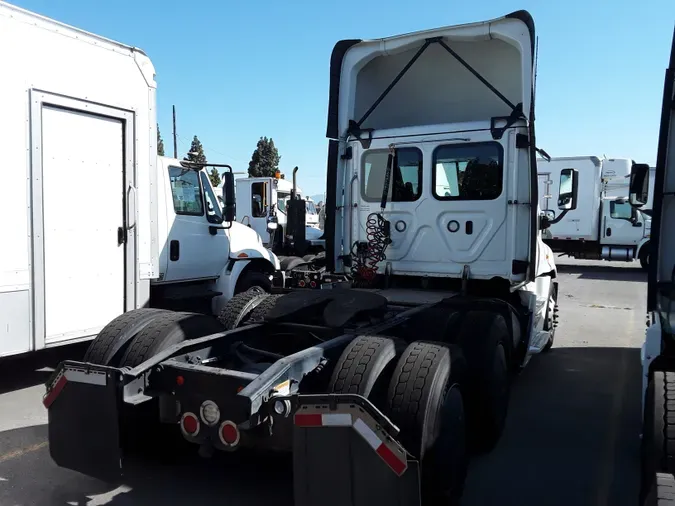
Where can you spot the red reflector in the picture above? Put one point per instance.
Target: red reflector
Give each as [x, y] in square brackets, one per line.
[54, 392]
[180, 380]
[229, 433]
[391, 459]
[190, 424]
[308, 420]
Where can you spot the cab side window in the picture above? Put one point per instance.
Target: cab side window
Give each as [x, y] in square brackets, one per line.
[259, 200]
[214, 213]
[186, 191]
[621, 210]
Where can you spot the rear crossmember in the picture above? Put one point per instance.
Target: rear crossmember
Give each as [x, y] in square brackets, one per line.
[341, 442]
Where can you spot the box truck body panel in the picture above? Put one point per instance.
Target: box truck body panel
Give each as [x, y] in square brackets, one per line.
[582, 222]
[78, 112]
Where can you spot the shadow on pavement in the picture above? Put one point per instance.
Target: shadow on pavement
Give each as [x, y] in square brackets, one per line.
[605, 272]
[29, 477]
[572, 438]
[573, 434]
[28, 370]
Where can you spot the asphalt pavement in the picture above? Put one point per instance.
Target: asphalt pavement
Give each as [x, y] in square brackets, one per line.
[572, 435]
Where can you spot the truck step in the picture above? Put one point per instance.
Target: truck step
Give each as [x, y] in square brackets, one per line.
[192, 293]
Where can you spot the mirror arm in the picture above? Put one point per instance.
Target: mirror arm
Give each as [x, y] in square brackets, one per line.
[558, 218]
[213, 230]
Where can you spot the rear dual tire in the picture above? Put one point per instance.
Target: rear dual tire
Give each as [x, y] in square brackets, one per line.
[485, 340]
[154, 331]
[422, 398]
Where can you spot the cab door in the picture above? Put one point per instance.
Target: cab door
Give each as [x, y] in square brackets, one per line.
[621, 223]
[260, 200]
[193, 251]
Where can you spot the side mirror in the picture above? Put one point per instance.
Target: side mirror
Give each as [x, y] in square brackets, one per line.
[639, 185]
[229, 199]
[272, 223]
[569, 187]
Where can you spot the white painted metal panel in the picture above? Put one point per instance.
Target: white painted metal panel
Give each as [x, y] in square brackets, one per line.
[583, 222]
[65, 66]
[83, 262]
[14, 322]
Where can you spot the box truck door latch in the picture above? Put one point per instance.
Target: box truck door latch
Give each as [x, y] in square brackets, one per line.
[121, 236]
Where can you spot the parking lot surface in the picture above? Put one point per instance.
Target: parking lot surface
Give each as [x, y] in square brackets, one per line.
[572, 435]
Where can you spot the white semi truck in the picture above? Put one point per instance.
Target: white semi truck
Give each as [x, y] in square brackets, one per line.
[81, 109]
[261, 200]
[604, 226]
[658, 350]
[431, 303]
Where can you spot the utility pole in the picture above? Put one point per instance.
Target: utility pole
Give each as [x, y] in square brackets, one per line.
[175, 146]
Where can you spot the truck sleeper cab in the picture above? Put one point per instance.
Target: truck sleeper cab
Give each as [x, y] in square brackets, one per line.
[403, 368]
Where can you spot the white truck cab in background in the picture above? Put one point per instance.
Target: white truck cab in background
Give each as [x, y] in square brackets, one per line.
[82, 109]
[202, 257]
[604, 226]
[259, 198]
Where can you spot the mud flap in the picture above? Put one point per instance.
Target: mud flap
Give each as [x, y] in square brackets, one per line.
[344, 455]
[83, 402]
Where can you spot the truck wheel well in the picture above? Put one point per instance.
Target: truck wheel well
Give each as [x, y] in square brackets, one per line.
[259, 265]
[256, 266]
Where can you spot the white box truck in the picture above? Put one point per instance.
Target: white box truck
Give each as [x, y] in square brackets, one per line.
[604, 226]
[89, 228]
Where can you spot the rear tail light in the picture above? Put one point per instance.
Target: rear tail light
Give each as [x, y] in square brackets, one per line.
[210, 413]
[229, 433]
[189, 424]
[312, 284]
[301, 283]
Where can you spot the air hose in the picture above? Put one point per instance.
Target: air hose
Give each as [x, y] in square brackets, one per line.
[366, 256]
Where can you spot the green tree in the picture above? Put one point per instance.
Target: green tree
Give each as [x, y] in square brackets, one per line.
[265, 159]
[160, 143]
[214, 176]
[196, 153]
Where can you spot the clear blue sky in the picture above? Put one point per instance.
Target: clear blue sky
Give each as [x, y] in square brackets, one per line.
[237, 71]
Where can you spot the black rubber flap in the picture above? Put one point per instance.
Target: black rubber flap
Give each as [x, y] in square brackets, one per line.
[84, 428]
[335, 466]
[338, 306]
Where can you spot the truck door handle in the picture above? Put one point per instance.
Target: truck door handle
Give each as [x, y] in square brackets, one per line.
[131, 207]
[174, 250]
[609, 232]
